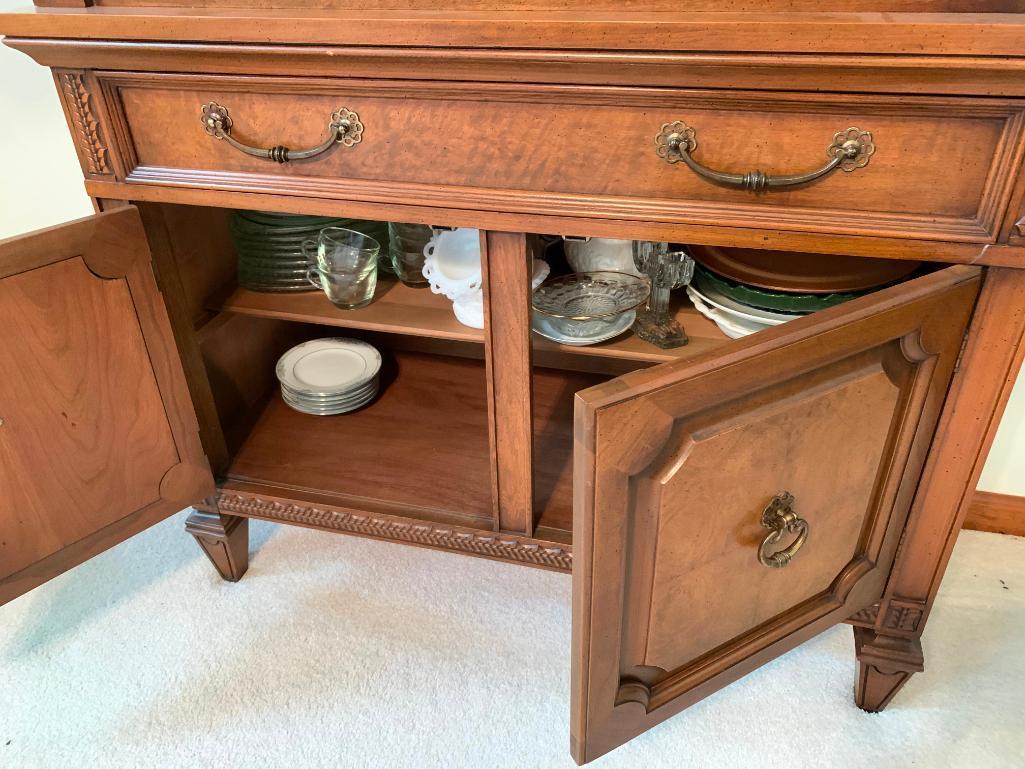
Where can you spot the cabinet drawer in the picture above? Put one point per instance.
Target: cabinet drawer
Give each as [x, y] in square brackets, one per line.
[941, 167]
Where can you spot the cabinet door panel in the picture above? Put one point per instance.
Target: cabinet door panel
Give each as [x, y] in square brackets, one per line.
[676, 464]
[98, 438]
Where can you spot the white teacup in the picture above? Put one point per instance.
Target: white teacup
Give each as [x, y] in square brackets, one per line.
[601, 255]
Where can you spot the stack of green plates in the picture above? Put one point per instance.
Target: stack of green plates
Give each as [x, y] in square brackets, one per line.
[269, 247]
[766, 299]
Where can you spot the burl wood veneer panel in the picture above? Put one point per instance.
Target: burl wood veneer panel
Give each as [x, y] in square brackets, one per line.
[675, 464]
[591, 154]
[824, 444]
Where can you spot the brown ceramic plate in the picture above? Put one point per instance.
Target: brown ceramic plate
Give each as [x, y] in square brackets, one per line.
[801, 272]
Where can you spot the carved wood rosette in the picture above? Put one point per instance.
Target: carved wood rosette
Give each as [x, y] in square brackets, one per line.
[904, 617]
[85, 126]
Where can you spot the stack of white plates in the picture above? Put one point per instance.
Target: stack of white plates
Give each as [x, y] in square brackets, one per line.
[329, 376]
[733, 318]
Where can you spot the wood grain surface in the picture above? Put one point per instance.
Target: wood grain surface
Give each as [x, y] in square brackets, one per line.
[891, 651]
[421, 445]
[98, 438]
[396, 309]
[674, 465]
[999, 513]
[828, 31]
[506, 271]
[907, 189]
[902, 73]
[519, 117]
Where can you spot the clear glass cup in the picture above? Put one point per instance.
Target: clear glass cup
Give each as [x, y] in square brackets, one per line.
[343, 264]
[406, 244]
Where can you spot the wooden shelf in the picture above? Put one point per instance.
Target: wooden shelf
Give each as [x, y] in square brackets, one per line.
[420, 449]
[631, 349]
[399, 309]
[396, 309]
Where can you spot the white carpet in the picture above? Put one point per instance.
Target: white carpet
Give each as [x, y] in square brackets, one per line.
[340, 652]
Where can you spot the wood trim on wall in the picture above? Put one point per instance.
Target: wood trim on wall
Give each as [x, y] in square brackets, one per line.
[1001, 513]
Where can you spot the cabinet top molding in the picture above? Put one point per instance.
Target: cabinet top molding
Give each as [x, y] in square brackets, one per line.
[964, 34]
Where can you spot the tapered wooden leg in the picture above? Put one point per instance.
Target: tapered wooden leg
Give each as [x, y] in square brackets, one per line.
[885, 664]
[224, 539]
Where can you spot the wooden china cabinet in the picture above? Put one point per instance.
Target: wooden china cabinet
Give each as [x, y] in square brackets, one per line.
[140, 379]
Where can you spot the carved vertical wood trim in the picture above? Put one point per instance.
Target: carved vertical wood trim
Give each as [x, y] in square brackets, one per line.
[971, 414]
[84, 124]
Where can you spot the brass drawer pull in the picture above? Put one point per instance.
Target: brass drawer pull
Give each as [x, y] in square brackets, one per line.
[344, 128]
[780, 517]
[850, 149]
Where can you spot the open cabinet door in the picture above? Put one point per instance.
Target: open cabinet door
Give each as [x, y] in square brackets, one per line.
[98, 437]
[731, 507]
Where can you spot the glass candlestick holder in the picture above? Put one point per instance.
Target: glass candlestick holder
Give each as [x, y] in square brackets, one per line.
[666, 270]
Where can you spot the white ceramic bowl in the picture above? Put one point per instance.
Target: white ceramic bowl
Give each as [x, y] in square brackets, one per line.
[738, 311]
[452, 266]
[452, 263]
[731, 326]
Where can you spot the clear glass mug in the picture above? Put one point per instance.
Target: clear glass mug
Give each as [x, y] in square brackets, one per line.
[343, 264]
[406, 245]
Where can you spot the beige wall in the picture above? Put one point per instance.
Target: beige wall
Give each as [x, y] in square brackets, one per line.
[42, 181]
[42, 185]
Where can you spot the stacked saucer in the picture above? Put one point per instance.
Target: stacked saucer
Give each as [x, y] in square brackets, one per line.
[330, 376]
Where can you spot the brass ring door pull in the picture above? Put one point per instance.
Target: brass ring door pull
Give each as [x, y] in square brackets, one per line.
[850, 149]
[344, 128]
[780, 517]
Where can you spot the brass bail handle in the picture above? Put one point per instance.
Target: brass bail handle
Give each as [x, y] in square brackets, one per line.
[344, 128]
[781, 518]
[850, 149]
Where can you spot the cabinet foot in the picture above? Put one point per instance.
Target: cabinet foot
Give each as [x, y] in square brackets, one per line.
[224, 539]
[885, 663]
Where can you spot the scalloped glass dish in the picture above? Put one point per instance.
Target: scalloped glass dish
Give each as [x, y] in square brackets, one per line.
[587, 307]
